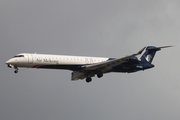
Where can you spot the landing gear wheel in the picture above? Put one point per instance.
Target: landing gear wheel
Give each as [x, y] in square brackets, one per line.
[88, 79]
[16, 71]
[99, 75]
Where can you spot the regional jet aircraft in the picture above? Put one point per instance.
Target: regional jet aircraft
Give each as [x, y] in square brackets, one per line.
[83, 67]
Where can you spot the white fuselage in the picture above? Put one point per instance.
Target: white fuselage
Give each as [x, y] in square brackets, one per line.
[28, 60]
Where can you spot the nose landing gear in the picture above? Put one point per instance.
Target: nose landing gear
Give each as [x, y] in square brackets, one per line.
[16, 70]
[11, 66]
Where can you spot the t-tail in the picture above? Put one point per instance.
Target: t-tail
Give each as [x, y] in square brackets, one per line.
[150, 53]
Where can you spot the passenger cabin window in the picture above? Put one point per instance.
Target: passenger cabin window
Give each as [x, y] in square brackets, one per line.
[18, 56]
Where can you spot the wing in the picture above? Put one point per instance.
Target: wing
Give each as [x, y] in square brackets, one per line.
[102, 66]
[105, 66]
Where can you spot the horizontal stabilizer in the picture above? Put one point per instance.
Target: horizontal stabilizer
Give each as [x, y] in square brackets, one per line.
[158, 48]
[150, 53]
[165, 46]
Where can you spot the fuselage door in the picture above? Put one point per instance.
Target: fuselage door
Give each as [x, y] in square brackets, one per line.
[30, 58]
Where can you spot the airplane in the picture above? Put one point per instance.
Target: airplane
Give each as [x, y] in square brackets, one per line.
[84, 67]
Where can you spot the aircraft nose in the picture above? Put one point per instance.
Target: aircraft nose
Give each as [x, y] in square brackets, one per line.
[11, 61]
[8, 62]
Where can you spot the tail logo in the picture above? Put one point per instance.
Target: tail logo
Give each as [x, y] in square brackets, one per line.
[148, 58]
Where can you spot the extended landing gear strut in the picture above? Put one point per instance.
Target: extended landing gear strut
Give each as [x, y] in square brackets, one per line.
[16, 70]
[11, 66]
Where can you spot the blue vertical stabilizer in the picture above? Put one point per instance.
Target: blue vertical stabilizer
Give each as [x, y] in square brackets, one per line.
[149, 54]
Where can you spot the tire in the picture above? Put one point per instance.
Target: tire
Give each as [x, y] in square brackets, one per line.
[88, 79]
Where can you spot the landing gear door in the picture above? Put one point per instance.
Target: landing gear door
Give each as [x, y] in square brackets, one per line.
[30, 58]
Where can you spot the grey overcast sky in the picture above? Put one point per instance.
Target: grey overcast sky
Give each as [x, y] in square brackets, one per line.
[106, 28]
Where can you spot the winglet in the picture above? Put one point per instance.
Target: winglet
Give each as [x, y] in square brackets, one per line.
[141, 51]
[138, 53]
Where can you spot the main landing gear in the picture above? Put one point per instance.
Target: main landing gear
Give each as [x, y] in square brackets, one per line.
[99, 75]
[88, 79]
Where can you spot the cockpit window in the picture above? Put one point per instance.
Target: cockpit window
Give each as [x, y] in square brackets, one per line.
[18, 56]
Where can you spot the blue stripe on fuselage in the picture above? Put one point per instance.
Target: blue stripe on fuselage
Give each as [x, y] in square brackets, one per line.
[65, 67]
